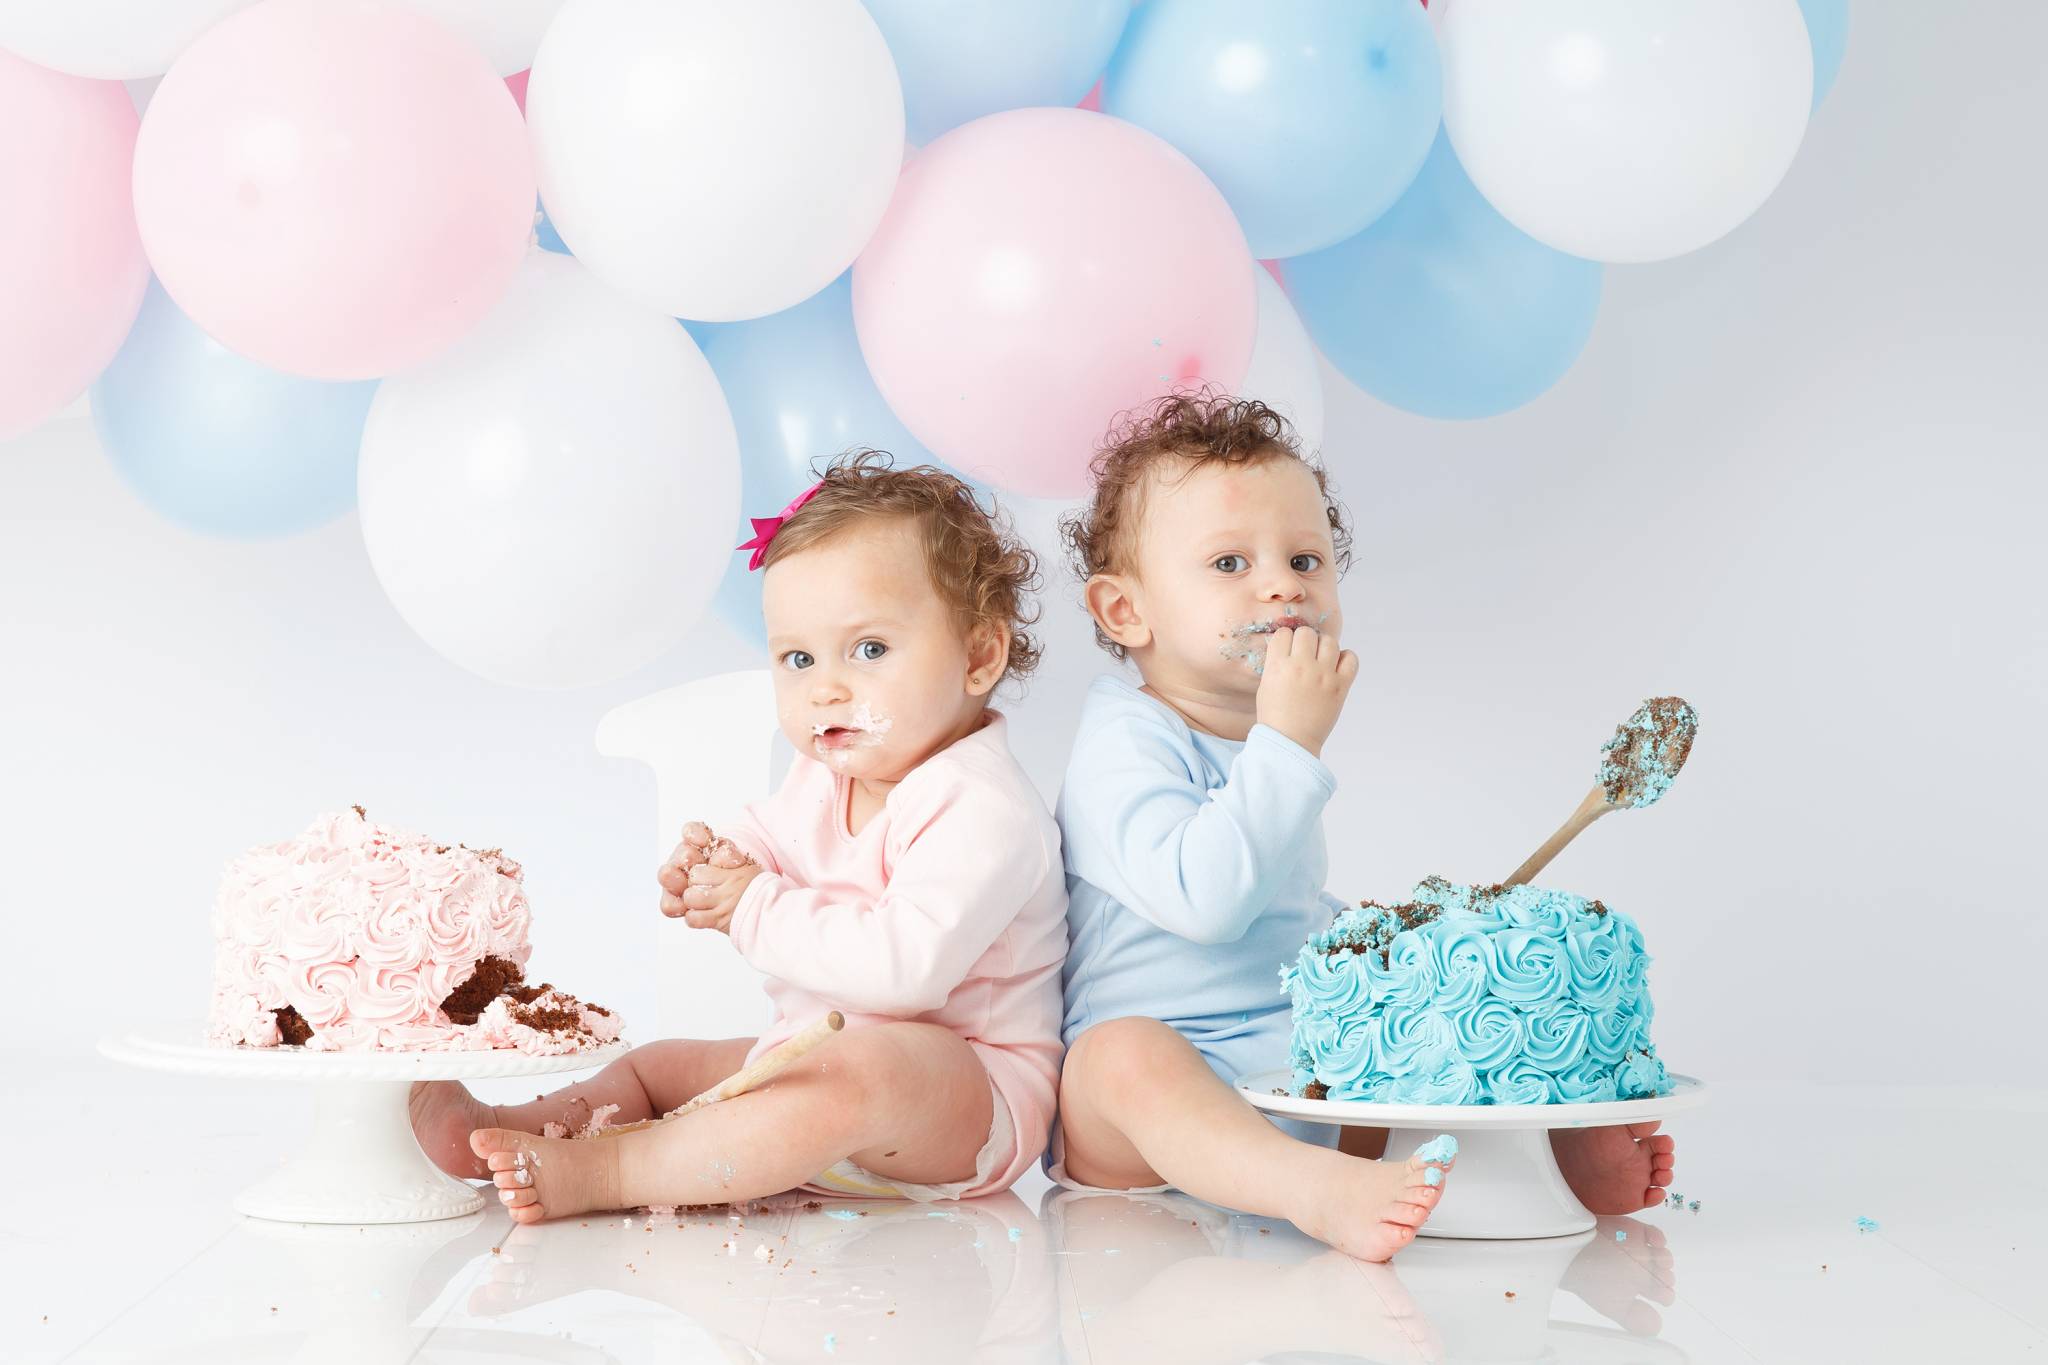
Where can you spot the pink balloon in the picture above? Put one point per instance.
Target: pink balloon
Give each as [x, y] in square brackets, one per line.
[334, 188]
[1038, 272]
[71, 267]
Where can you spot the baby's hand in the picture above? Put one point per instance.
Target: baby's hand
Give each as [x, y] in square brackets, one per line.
[698, 847]
[1304, 685]
[713, 893]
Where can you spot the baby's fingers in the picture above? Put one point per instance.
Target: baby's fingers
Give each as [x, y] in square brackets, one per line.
[725, 853]
[672, 906]
[1347, 667]
[698, 833]
[673, 876]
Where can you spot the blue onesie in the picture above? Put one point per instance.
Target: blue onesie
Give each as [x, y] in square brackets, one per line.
[1195, 868]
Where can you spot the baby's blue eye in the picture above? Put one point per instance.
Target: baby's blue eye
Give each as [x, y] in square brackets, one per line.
[870, 650]
[1231, 563]
[1306, 563]
[797, 659]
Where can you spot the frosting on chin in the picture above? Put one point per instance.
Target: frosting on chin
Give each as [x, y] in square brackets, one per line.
[353, 935]
[1474, 995]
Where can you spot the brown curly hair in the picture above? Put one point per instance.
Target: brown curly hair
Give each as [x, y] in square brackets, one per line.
[1197, 428]
[977, 564]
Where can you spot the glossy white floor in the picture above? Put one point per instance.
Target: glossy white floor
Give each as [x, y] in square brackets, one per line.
[120, 1245]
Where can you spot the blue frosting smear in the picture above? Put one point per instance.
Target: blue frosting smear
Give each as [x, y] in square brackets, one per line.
[1474, 995]
[1647, 751]
[1442, 1147]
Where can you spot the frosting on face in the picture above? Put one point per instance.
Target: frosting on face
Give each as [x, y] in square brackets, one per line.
[1647, 751]
[1475, 995]
[359, 933]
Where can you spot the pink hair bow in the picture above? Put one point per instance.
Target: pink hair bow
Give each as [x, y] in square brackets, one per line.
[766, 527]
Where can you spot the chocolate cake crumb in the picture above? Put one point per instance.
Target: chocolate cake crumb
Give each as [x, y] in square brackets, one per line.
[1381, 929]
[490, 980]
[361, 814]
[1597, 907]
[1315, 1090]
[291, 1026]
[553, 1019]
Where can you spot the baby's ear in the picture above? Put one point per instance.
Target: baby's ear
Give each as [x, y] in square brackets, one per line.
[988, 654]
[1116, 611]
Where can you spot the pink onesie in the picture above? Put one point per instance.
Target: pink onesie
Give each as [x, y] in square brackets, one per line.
[949, 907]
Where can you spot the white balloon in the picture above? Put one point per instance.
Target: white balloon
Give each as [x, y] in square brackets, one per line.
[552, 502]
[1283, 373]
[508, 31]
[1626, 130]
[717, 159]
[109, 40]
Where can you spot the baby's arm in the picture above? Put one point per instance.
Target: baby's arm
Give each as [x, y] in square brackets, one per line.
[744, 841]
[1196, 863]
[971, 859]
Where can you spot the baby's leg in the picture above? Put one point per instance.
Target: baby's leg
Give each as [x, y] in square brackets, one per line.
[647, 1081]
[906, 1101]
[1139, 1106]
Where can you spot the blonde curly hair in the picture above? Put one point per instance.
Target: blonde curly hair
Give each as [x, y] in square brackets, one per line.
[973, 556]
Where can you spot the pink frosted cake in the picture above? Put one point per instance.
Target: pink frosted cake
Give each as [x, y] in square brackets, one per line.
[354, 937]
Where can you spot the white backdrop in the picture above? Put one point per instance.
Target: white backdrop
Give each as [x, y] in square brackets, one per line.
[1796, 478]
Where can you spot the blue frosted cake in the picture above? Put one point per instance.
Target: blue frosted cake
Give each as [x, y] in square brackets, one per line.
[1474, 995]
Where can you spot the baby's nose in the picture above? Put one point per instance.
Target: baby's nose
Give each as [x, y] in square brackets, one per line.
[1284, 588]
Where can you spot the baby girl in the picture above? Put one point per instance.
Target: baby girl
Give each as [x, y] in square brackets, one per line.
[1192, 815]
[906, 874]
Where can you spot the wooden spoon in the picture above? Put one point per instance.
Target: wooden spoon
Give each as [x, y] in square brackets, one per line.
[746, 1078]
[1636, 769]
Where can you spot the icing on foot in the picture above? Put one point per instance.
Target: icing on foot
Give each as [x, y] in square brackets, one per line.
[540, 1177]
[1374, 1208]
[1616, 1170]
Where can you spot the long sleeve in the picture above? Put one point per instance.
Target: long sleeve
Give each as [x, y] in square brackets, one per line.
[966, 860]
[1197, 863]
[750, 833]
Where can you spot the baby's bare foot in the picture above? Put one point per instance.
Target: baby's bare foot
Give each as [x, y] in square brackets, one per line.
[444, 1114]
[539, 1177]
[1371, 1209]
[1616, 1170]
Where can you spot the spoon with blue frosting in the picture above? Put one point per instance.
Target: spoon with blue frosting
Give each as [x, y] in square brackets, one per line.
[1637, 767]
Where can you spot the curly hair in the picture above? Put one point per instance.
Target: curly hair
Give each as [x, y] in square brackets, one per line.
[1196, 428]
[977, 564]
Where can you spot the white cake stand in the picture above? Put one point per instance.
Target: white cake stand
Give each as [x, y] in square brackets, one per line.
[1506, 1182]
[362, 1164]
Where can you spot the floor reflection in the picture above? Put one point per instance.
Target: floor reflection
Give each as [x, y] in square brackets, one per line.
[1166, 1277]
[845, 1282]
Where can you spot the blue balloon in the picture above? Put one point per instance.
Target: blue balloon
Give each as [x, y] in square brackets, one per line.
[544, 230]
[1312, 116]
[960, 59]
[1443, 307]
[1827, 24]
[219, 443]
[800, 393]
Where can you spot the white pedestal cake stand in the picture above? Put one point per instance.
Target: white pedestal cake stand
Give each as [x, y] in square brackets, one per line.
[362, 1164]
[1506, 1182]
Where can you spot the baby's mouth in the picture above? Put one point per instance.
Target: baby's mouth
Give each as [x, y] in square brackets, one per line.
[1290, 621]
[836, 736]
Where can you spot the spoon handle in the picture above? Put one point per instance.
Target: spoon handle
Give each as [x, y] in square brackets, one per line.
[1592, 808]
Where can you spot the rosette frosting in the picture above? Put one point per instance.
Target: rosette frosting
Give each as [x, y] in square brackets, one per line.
[354, 936]
[1475, 995]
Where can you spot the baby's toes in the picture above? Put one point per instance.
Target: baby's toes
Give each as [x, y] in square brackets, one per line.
[517, 1197]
